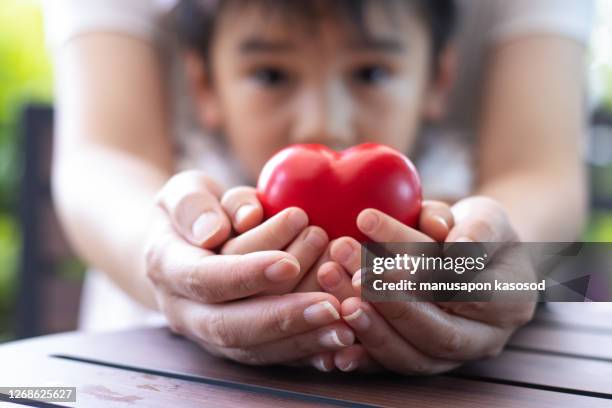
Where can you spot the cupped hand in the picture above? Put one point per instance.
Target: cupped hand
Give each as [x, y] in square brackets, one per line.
[425, 337]
[206, 259]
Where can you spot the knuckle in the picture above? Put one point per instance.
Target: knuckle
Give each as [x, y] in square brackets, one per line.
[241, 282]
[237, 194]
[230, 197]
[280, 321]
[175, 326]
[276, 234]
[402, 312]
[219, 333]
[302, 346]
[175, 322]
[247, 356]
[189, 202]
[524, 317]
[153, 256]
[451, 343]
[378, 340]
[198, 289]
[484, 228]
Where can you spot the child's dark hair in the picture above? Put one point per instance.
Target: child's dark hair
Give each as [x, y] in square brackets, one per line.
[195, 19]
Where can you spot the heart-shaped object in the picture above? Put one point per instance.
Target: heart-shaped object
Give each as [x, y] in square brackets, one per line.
[334, 187]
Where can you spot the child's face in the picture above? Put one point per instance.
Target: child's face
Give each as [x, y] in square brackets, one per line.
[275, 83]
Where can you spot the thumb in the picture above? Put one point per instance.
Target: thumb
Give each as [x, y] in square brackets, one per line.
[191, 200]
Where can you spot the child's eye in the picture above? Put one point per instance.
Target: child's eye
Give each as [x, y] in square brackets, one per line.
[270, 77]
[371, 74]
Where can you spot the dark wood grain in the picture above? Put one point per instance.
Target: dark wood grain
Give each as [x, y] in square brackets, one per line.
[99, 386]
[544, 366]
[148, 350]
[558, 372]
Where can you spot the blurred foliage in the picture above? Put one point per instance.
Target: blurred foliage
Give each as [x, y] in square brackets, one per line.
[25, 76]
[9, 251]
[600, 227]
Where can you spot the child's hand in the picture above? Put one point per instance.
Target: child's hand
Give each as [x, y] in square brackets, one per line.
[287, 231]
[206, 296]
[330, 276]
[423, 337]
[335, 270]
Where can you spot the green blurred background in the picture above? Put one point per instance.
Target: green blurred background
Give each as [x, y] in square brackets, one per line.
[26, 78]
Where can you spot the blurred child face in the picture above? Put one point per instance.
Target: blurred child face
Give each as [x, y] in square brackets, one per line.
[275, 82]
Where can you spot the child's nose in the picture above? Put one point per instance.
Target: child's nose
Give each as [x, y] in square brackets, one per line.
[324, 117]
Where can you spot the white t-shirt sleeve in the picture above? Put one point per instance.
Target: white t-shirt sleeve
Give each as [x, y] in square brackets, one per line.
[569, 18]
[65, 19]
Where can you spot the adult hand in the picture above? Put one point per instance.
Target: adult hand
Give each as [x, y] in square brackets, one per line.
[425, 337]
[206, 295]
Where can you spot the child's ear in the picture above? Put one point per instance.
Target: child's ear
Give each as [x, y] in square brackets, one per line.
[199, 81]
[436, 98]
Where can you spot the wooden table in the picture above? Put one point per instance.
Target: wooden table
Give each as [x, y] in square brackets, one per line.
[562, 359]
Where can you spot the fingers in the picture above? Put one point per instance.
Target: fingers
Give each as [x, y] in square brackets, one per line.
[243, 207]
[275, 233]
[254, 321]
[334, 280]
[279, 232]
[335, 336]
[385, 345]
[355, 358]
[306, 248]
[380, 227]
[323, 361]
[180, 268]
[347, 252]
[191, 200]
[309, 282]
[436, 220]
[439, 334]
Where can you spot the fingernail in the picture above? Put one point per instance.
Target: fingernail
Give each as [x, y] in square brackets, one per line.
[315, 238]
[321, 313]
[244, 212]
[205, 226]
[440, 221]
[332, 339]
[331, 278]
[282, 270]
[297, 220]
[348, 367]
[319, 363]
[343, 252]
[358, 320]
[369, 221]
[356, 281]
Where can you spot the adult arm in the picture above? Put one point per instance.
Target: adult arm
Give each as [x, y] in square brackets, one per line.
[530, 147]
[112, 152]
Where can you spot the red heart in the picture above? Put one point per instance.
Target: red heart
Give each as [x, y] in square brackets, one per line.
[333, 188]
